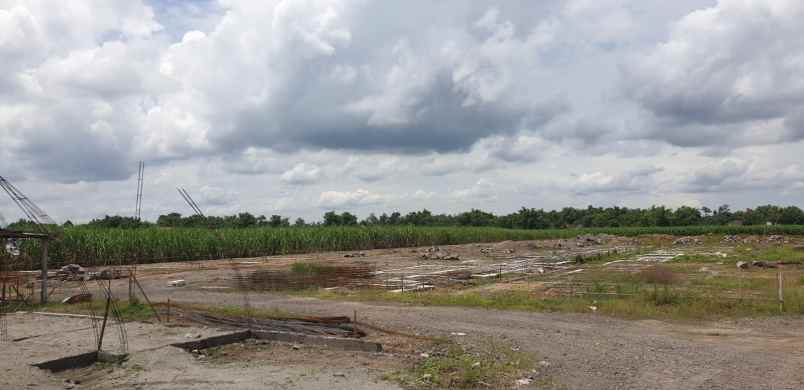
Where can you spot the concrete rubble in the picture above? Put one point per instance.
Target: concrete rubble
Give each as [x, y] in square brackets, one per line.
[436, 253]
[684, 241]
[75, 272]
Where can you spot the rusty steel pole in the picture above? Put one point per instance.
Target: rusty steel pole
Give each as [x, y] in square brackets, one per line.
[43, 296]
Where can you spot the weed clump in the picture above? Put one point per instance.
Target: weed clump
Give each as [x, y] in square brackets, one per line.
[453, 366]
[660, 275]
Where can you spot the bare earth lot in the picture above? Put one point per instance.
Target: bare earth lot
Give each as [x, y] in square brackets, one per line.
[578, 351]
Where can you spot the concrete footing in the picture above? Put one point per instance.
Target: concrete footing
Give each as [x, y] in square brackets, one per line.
[287, 337]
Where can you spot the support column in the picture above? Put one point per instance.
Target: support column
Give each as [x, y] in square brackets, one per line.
[44, 271]
[3, 274]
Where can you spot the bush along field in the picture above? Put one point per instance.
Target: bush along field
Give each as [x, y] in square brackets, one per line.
[95, 247]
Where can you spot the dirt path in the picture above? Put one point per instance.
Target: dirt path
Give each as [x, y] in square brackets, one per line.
[586, 351]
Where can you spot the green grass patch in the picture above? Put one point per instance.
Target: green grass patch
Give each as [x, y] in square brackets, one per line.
[702, 258]
[311, 269]
[454, 366]
[128, 311]
[239, 311]
[643, 302]
[736, 283]
[782, 254]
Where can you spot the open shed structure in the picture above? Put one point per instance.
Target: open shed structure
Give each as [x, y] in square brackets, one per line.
[8, 278]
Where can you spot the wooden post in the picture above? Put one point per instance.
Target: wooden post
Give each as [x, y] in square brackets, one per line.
[168, 311]
[781, 292]
[132, 294]
[43, 296]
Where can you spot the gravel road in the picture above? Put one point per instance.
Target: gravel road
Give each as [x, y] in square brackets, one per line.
[585, 351]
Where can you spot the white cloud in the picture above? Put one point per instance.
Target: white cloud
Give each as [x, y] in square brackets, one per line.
[302, 174]
[639, 180]
[423, 195]
[431, 101]
[359, 197]
[481, 190]
[741, 175]
[728, 74]
[216, 196]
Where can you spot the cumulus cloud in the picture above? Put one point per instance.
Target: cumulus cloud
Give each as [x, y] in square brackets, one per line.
[255, 161]
[338, 82]
[216, 196]
[373, 168]
[728, 74]
[740, 175]
[638, 180]
[302, 174]
[341, 199]
[481, 190]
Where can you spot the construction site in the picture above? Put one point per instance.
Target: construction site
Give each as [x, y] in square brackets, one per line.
[589, 312]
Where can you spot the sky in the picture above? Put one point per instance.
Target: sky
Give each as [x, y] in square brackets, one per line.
[297, 107]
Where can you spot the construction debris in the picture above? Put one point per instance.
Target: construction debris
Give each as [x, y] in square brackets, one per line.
[77, 298]
[108, 274]
[75, 272]
[436, 253]
[356, 254]
[177, 283]
[72, 272]
[684, 241]
[323, 326]
[588, 240]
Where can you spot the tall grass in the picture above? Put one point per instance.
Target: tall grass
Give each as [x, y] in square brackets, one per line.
[91, 247]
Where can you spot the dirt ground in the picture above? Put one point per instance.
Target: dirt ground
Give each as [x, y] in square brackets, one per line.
[580, 351]
[154, 364]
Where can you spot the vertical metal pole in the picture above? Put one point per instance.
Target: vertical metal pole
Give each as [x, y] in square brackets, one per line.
[43, 296]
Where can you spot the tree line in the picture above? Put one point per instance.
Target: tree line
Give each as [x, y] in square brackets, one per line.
[524, 218]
